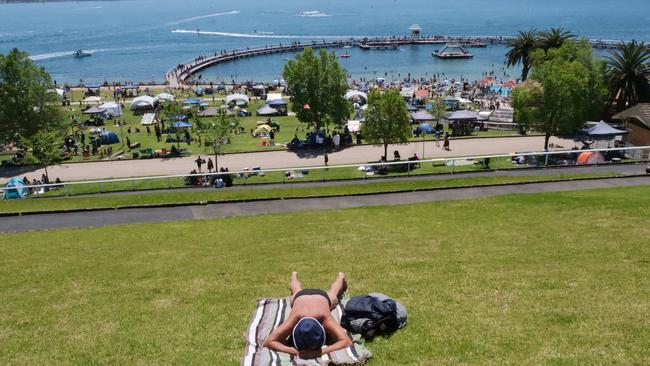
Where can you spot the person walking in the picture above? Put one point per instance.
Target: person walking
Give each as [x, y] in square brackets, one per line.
[326, 158]
[445, 144]
[210, 165]
[199, 162]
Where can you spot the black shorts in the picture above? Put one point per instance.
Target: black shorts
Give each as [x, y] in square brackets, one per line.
[312, 291]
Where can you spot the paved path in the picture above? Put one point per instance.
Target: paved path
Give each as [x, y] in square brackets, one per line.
[147, 215]
[283, 159]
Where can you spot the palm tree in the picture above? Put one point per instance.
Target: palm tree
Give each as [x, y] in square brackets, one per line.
[554, 38]
[521, 49]
[626, 71]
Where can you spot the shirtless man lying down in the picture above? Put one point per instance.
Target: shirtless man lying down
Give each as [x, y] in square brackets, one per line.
[310, 324]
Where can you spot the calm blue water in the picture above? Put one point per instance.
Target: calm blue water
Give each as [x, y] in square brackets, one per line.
[134, 40]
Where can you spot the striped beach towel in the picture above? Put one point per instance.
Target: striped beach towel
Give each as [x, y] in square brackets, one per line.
[268, 315]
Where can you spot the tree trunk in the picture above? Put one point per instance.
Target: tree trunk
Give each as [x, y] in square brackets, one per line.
[546, 138]
[216, 161]
[47, 176]
[524, 71]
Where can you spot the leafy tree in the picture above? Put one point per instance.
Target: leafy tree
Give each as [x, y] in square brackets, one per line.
[27, 98]
[172, 109]
[44, 148]
[627, 68]
[566, 88]
[387, 119]
[521, 49]
[318, 85]
[554, 38]
[217, 133]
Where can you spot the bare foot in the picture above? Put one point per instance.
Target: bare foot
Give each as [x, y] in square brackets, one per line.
[345, 283]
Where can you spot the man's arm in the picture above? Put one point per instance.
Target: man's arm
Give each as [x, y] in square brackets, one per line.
[336, 331]
[275, 340]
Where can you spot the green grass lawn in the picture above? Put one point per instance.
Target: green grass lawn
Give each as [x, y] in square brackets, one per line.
[543, 279]
[239, 143]
[224, 195]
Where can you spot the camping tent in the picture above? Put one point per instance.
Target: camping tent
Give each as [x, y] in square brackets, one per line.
[355, 94]
[277, 103]
[111, 108]
[590, 157]
[93, 110]
[602, 131]
[17, 190]
[142, 102]
[422, 116]
[273, 96]
[462, 115]
[181, 124]
[163, 96]
[426, 128]
[148, 119]
[411, 107]
[262, 130]
[108, 138]
[235, 97]
[192, 101]
[266, 110]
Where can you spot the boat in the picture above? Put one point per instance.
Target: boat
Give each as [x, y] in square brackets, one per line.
[474, 44]
[80, 53]
[452, 51]
[345, 55]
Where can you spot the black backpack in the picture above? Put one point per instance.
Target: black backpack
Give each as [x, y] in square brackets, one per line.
[373, 314]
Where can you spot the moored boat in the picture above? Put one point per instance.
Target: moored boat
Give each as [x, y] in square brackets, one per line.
[452, 51]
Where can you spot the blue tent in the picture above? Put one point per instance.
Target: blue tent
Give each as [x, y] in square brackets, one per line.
[108, 138]
[131, 86]
[191, 101]
[17, 190]
[92, 86]
[181, 124]
[176, 117]
[425, 127]
[277, 102]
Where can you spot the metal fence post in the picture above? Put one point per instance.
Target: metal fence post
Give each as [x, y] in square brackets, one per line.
[67, 189]
[101, 187]
[169, 183]
[546, 160]
[453, 165]
[133, 185]
[408, 169]
[497, 167]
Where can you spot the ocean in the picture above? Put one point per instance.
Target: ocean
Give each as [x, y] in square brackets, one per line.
[139, 40]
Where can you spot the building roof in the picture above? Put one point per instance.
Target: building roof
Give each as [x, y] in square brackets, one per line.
[640, 111]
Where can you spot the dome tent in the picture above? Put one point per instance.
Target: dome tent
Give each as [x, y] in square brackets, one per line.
[108, 138]
[17, 189]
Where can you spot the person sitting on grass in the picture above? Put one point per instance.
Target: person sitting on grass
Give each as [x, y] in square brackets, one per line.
[310, 322]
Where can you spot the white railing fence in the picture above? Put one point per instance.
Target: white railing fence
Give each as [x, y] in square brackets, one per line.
[543, 159]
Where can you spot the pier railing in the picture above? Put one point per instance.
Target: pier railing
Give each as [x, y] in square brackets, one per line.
[177, 77]
[348, 172]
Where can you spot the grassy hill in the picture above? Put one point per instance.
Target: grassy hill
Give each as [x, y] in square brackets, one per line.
[558, 279]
